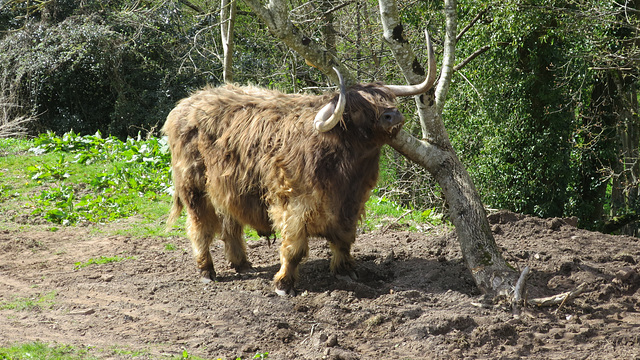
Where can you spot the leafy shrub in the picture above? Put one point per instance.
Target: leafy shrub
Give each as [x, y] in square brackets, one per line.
[95, 67]
[135, 168]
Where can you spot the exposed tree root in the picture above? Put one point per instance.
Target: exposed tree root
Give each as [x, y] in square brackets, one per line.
[517, 297]
[518, 290]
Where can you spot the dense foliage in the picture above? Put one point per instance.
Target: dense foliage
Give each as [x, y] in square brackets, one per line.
[133, 168]
[545, 118]
[539, 120]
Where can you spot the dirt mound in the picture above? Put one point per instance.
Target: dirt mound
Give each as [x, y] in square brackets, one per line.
[415, 299]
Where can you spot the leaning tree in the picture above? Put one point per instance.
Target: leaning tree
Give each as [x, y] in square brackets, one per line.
[492, 274]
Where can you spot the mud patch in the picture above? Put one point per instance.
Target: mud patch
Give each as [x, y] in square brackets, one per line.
[414, 299]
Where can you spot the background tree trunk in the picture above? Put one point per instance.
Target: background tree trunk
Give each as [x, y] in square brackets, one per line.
[227, 21]
[625, 185]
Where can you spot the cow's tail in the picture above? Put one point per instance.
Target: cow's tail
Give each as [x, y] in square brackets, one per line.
[176, 210]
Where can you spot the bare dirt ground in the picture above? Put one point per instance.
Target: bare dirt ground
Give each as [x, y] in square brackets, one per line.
[414, 300]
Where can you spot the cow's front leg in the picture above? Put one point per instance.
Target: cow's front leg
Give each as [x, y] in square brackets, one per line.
[292, 251]
[342, 263]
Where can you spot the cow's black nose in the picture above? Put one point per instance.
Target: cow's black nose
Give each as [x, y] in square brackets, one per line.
[391, 118]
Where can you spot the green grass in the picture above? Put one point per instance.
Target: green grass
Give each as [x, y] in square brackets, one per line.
[74, 179]
[382, 212]
[40, 302]
[101, 260]
[13, 146]
[43, 351]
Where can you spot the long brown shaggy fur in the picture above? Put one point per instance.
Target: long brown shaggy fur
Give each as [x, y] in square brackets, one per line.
[250, 156]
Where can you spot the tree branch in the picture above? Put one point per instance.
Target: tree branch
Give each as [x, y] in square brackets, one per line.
[475, 19]
[475, 54]
[227, 22]
[193, 7]
[449, 54]
[275, 16]
[430, 121]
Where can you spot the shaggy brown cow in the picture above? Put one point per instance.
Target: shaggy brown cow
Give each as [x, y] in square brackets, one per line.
[273, 161]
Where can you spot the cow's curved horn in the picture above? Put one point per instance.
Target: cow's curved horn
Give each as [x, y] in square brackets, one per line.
[410, 90]
[330, 114]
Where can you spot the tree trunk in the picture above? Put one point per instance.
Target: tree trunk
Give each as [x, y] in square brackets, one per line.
[492, 274]
[625, 196]
[227, 21]
[490, 271]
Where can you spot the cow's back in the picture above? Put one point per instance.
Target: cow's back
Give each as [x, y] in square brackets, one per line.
[247, 147]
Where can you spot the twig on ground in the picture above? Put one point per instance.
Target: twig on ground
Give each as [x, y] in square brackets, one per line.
[386, 228]
[559, 299]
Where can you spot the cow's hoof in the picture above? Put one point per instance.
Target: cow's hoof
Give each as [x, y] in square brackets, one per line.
[207, 277]
[245, 267]
[286, 292]
[283, 289]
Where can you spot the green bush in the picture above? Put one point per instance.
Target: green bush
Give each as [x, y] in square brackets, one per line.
[96, 68]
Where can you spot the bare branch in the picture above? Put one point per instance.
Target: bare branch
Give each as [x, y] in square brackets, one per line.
[475, 54]
[276, 17]
[560, 298]
[517, 292]
[193, 6]
[338, 7]
[16, 127]
[475, 19]
[520, 284]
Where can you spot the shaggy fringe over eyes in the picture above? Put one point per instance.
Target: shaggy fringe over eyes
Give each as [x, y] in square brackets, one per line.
[361, 97]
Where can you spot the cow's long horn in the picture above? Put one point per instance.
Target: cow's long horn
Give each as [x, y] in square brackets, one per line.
[330, 114]
[410, 90]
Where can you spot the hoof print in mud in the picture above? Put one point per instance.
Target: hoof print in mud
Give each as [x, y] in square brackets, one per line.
[352, 276]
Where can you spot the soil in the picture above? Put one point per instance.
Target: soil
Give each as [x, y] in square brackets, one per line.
[415, 298]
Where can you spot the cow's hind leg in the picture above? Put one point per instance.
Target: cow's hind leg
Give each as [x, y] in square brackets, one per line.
[234, 245]
[202, 225]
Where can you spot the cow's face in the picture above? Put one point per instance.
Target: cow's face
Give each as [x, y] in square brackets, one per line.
[372, 112]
